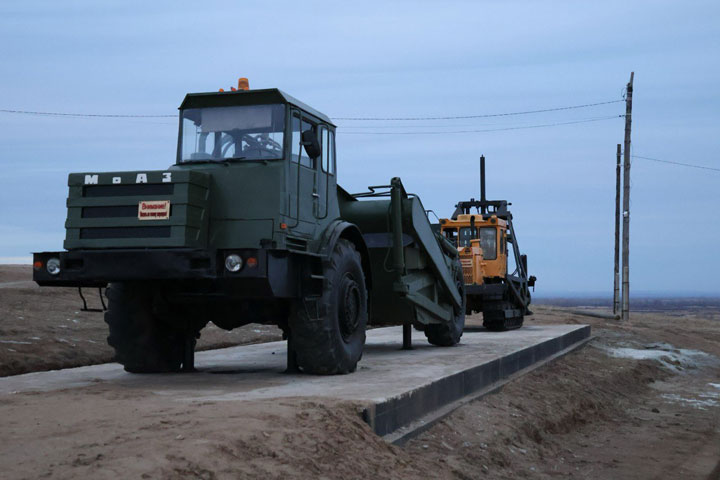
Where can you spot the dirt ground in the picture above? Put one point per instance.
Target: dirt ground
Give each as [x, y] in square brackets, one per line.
[593, 415]
[44, 328]
[639, 401]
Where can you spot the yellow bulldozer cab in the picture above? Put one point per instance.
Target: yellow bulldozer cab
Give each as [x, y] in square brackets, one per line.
[481, 243]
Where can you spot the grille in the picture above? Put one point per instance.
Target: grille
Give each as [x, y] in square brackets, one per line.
[294, 243]
[467, 270]
[105, 214]
[128, 190]
[110, 212]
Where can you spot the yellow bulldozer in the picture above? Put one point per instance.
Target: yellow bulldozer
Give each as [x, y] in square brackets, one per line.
[495, 272]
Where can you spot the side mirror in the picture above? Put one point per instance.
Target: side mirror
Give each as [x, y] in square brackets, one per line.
[311, 144]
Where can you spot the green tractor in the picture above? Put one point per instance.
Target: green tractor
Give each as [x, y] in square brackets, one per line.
[250, 226]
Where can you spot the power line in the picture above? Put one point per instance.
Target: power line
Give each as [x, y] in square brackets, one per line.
[455, 117]
[587, 120]
[93, 115]
[429, 126]
[464, 117]
[677, 163]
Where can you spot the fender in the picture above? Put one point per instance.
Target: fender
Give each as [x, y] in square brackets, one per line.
[341, 229]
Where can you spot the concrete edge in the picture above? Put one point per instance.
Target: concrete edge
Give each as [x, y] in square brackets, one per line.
[403, 434]
[397, 417]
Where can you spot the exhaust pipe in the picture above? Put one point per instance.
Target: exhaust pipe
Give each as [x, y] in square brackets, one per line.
[483, 208]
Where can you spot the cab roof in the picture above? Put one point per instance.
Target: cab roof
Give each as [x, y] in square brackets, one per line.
[248, 97]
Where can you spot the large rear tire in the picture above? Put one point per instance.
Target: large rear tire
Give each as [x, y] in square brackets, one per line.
[142, 342]
[328, 335]
[448, 334]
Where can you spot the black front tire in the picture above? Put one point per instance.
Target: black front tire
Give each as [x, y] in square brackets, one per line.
[448, 334]
[142, 342]
[328, 335]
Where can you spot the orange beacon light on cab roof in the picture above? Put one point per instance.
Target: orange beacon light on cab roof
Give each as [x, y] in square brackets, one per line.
[243, 84]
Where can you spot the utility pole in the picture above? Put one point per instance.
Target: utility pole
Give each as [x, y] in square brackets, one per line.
[626, 205]
[616, 278]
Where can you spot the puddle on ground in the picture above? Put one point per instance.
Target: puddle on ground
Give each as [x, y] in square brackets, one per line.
[670, 357]
[699, 403]
[677, 360]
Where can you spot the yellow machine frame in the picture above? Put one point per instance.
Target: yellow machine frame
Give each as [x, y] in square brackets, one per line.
[486, 241]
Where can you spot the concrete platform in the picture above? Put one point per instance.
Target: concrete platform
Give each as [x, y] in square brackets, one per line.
[395, 387]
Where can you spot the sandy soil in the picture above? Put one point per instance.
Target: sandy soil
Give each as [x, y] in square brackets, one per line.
[639, 401]
[44, 329]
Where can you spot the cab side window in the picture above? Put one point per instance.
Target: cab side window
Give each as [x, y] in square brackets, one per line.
[331, 154]
[298, 152]
[451, 235]
[296, 147]
[488, 242]
[327, 141]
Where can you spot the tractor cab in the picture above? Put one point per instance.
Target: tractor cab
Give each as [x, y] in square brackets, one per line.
[479, 236]
[254, 125]
[280, 153]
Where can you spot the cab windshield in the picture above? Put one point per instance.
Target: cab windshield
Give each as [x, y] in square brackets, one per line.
[218, 134]
[488, 240]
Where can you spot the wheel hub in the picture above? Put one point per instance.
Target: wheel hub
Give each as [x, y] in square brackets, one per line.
[349, 311]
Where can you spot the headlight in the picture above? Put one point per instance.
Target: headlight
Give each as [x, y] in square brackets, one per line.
[53, 266]
[233, 263]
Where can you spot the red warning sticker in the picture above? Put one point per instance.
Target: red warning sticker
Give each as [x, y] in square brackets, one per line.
[154, 210]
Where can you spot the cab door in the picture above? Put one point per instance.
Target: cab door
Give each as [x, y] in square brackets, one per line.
[325, 172]
[308, 181]
[302, 177]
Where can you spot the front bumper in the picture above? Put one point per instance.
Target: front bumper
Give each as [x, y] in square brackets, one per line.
[274, 276]
[96, 268]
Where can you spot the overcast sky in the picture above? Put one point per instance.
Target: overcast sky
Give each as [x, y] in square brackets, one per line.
[390, 59]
